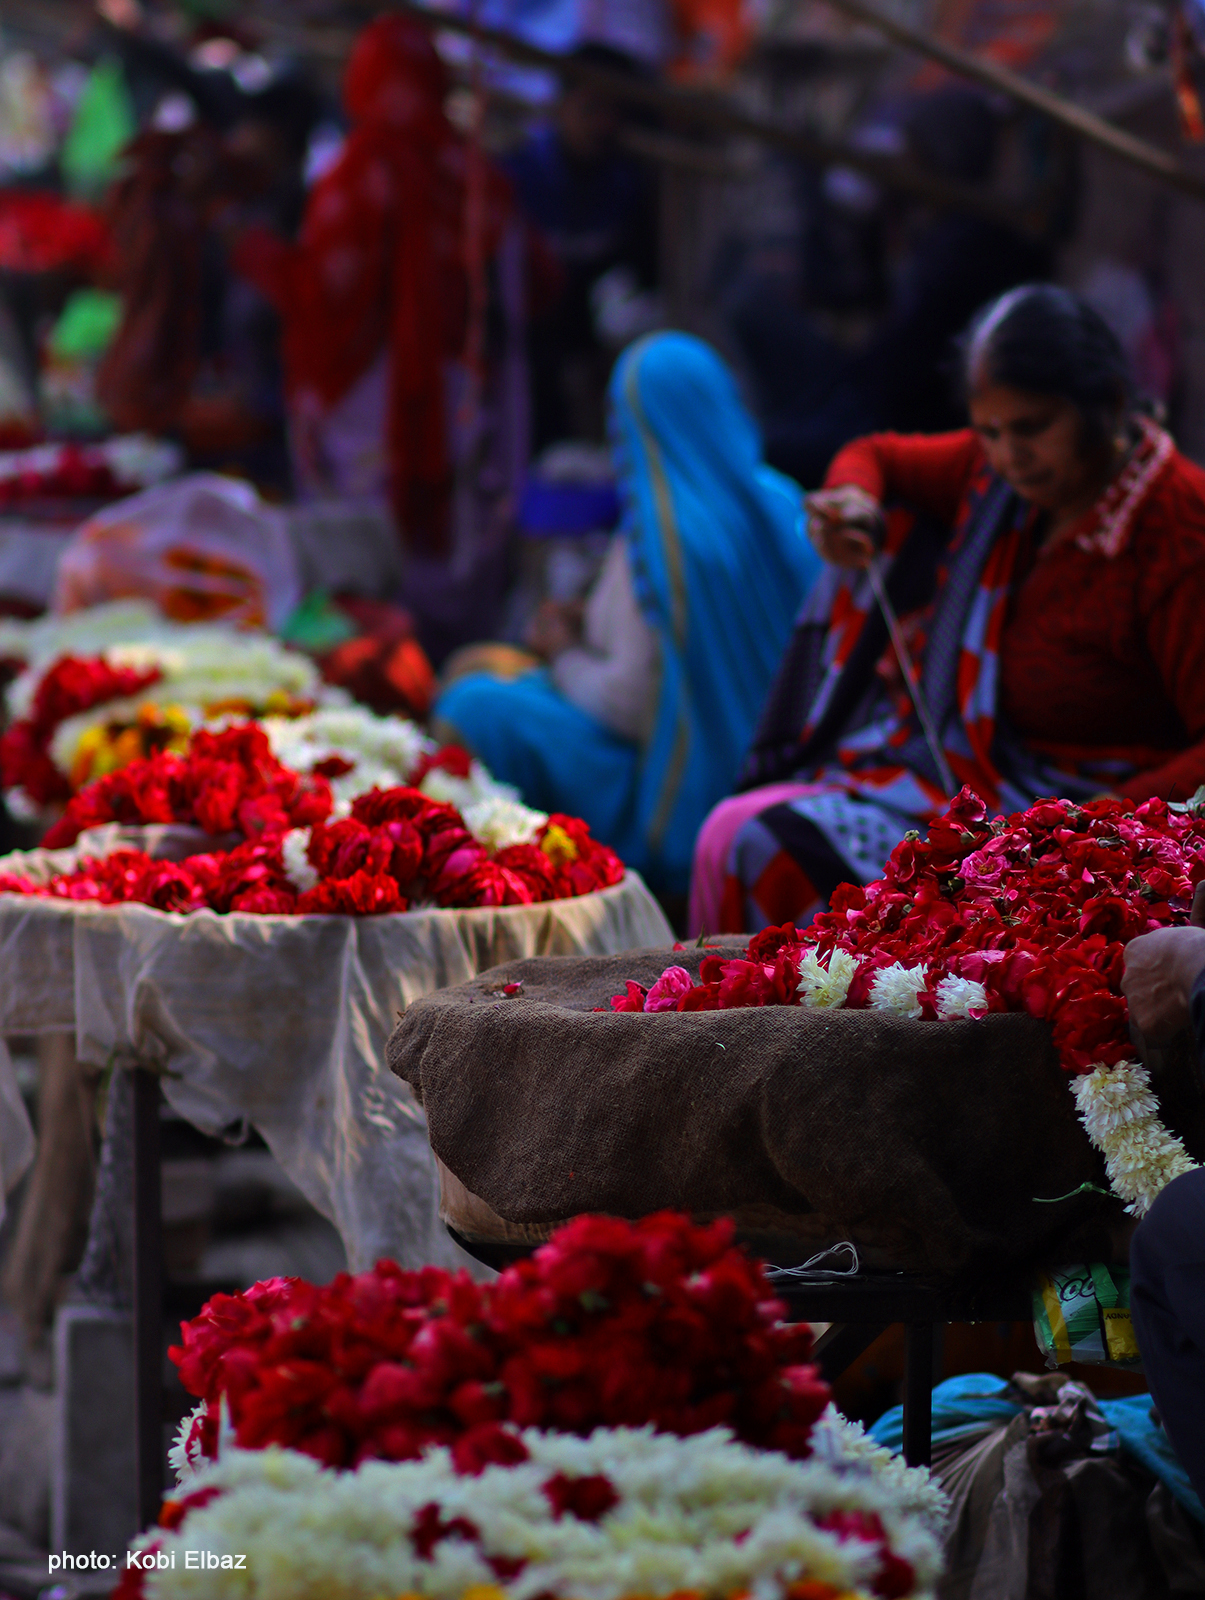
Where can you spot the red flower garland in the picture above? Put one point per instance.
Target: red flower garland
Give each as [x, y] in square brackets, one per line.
[610, 1324]
[73, 684]
[1037, 908]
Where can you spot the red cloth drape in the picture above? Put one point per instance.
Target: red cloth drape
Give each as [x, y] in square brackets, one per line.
[380, 263]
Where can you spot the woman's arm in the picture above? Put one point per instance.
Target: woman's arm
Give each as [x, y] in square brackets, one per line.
[1169, 544]
[612, 675]
[926, 472]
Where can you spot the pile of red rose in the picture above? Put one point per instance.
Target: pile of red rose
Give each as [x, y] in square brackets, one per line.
[398, 846]
[1026, 913]
[610, 1324]
[73, 684]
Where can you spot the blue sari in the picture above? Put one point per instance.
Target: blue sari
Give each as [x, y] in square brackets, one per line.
[720, 562]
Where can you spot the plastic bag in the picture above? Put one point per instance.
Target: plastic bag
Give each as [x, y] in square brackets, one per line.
[202, 547]
[1083, 1314]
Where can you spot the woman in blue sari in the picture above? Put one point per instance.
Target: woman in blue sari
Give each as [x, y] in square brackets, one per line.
[641, 727]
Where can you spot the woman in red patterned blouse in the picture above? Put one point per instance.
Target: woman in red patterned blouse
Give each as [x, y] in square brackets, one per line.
[1049, 563]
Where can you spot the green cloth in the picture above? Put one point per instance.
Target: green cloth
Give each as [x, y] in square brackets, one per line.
[101, 128]
[86, 325]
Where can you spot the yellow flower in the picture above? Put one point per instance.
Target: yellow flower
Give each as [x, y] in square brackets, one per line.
[92, 741]
[558, 846]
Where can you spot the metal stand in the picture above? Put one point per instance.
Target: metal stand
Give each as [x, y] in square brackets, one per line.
[918, 1394]
[858, 1309]
[148, 1296]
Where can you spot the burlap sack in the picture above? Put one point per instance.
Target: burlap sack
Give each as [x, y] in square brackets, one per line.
[929, 1144]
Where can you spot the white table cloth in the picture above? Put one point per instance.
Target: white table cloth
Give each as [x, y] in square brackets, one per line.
[281, 1022]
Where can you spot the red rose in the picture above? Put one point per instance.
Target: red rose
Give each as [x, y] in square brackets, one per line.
[587, 1498]
[360, 895]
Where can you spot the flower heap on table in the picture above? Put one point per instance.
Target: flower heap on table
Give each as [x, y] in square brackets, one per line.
[1030, 913]
[104, 470]
[81, 716]
[624, 1414]
[398, 847]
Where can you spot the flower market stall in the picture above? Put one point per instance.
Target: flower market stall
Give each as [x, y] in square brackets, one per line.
[206, 917]
[917, 1044]
[939, 1070]
[624, 1414]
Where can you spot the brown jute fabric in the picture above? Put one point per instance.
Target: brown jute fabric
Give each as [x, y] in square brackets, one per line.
[926, 1143]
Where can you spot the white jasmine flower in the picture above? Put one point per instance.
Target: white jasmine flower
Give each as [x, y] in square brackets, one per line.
[464, 792]
[1121, 1117]
[298, 870]
[705, 1514]
[826, 985]
[895, 988]
[497, 822]
[961, 997]
[186, 1463]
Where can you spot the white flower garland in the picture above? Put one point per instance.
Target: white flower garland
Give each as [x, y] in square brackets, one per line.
[704, 1514]
[1120, 1115]
[961, 997]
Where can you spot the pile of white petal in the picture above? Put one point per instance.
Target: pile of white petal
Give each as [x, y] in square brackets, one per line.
[385, 752]
[703, 1514]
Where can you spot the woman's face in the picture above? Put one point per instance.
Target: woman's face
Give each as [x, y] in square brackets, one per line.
[1035, 443]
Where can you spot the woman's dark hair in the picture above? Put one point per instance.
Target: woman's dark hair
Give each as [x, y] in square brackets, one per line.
[1045, 340]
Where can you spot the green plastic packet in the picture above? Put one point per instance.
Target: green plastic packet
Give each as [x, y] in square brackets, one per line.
[317, 624]
[1083, 1314]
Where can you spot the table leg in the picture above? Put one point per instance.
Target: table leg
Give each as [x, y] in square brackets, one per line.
[148, 1296]
[918, 1394]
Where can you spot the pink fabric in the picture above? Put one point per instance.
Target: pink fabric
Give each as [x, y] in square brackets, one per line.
[715, 843]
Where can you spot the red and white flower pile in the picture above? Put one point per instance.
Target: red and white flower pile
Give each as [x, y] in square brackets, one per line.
[72, 686]
[398, 847]
[624, 1414]
[101, 471]
[1026, 913]
[610, 1324]
[81, 715]
[625, 1513]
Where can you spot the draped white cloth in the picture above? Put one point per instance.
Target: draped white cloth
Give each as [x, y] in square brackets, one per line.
[281, 1022]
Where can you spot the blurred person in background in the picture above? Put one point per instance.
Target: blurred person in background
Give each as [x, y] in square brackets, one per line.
[639, 718]
[593, 205]
[1164, 986]
[196, 353]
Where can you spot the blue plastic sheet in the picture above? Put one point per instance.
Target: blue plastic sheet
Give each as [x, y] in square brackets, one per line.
[967, 1404]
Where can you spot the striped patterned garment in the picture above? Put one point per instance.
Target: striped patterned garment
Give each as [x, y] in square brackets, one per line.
[1070, 669]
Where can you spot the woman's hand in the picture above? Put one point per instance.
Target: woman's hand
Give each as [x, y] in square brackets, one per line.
[843, 524]
[1161, 969]
[556, 626]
